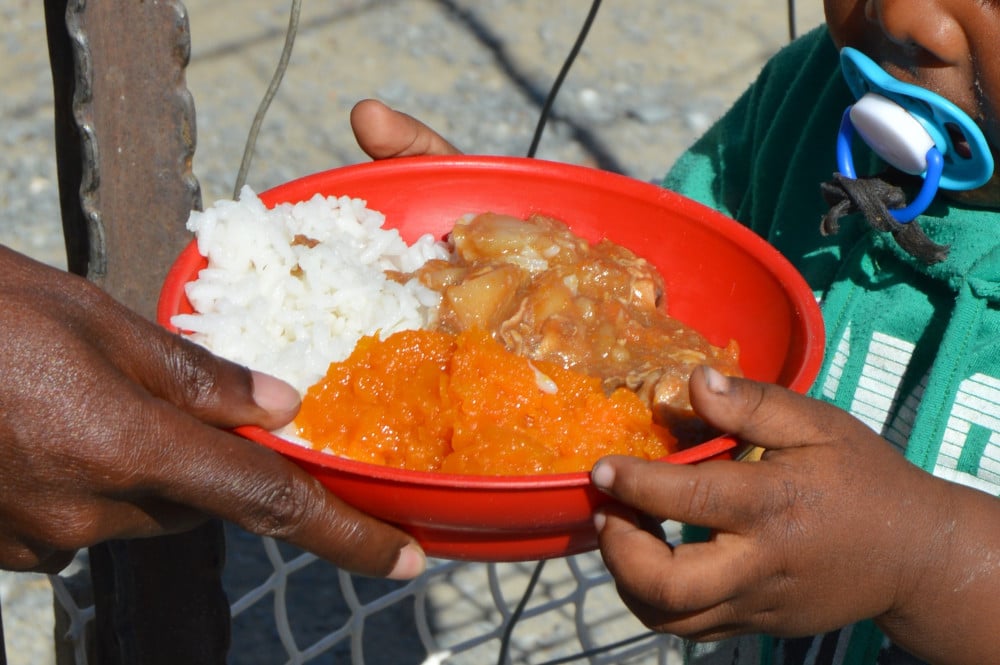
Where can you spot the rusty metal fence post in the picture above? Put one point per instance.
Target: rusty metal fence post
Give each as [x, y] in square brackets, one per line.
[125, 136]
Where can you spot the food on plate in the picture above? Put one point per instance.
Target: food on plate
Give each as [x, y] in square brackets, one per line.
[548, 294]
[433, 401]
[516, 347]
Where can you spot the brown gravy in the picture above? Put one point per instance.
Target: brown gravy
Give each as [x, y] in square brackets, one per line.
[599, 309]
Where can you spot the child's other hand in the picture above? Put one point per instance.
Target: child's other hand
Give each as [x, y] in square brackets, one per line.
[384, 133]
[832, 526]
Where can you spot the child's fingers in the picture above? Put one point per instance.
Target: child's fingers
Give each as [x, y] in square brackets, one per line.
[762, 414]
[721, 495]
[678, 590]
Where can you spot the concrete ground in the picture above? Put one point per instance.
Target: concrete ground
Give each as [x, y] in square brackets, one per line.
[650, 78]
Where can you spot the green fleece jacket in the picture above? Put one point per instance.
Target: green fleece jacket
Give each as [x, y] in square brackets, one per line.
[912, 350]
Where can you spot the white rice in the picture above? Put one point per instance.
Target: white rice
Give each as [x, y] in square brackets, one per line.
[289, 309]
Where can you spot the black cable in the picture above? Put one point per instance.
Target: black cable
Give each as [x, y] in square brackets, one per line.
[518, 611]
[547, 108]
[791, 21]
[602, 649]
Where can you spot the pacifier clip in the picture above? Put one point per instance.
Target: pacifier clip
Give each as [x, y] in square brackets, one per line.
[914, 130]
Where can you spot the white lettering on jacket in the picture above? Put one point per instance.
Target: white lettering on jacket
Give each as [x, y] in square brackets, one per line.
[972, 434]
[973, 431]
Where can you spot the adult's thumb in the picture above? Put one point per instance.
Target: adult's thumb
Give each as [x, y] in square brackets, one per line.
[215, 390]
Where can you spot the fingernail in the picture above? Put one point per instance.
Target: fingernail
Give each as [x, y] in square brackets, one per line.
[716, 381]
[603, 475]
[273, 394]
[600, 519]
[411, 562]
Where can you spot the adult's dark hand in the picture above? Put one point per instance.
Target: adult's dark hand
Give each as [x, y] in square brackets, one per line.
[111, 427]
[831, 526]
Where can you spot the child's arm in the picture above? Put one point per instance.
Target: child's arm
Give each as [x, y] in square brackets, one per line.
[832, 526]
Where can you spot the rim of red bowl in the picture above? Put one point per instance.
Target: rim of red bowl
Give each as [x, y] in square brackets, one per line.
[697, 453]
[800, 295]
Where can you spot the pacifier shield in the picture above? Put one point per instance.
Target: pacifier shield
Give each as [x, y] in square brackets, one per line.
[941, 120]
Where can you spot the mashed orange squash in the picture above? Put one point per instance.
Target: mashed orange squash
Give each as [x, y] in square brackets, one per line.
[434, 401]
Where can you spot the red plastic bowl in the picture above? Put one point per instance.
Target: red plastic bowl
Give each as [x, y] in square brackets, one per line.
[720, 277]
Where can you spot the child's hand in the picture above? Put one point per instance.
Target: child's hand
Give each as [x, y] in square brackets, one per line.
[832, 526]
[384, 133]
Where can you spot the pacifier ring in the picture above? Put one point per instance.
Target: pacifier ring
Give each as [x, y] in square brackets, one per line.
[932, 165]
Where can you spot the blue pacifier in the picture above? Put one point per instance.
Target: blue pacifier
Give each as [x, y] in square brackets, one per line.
[913, 129]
